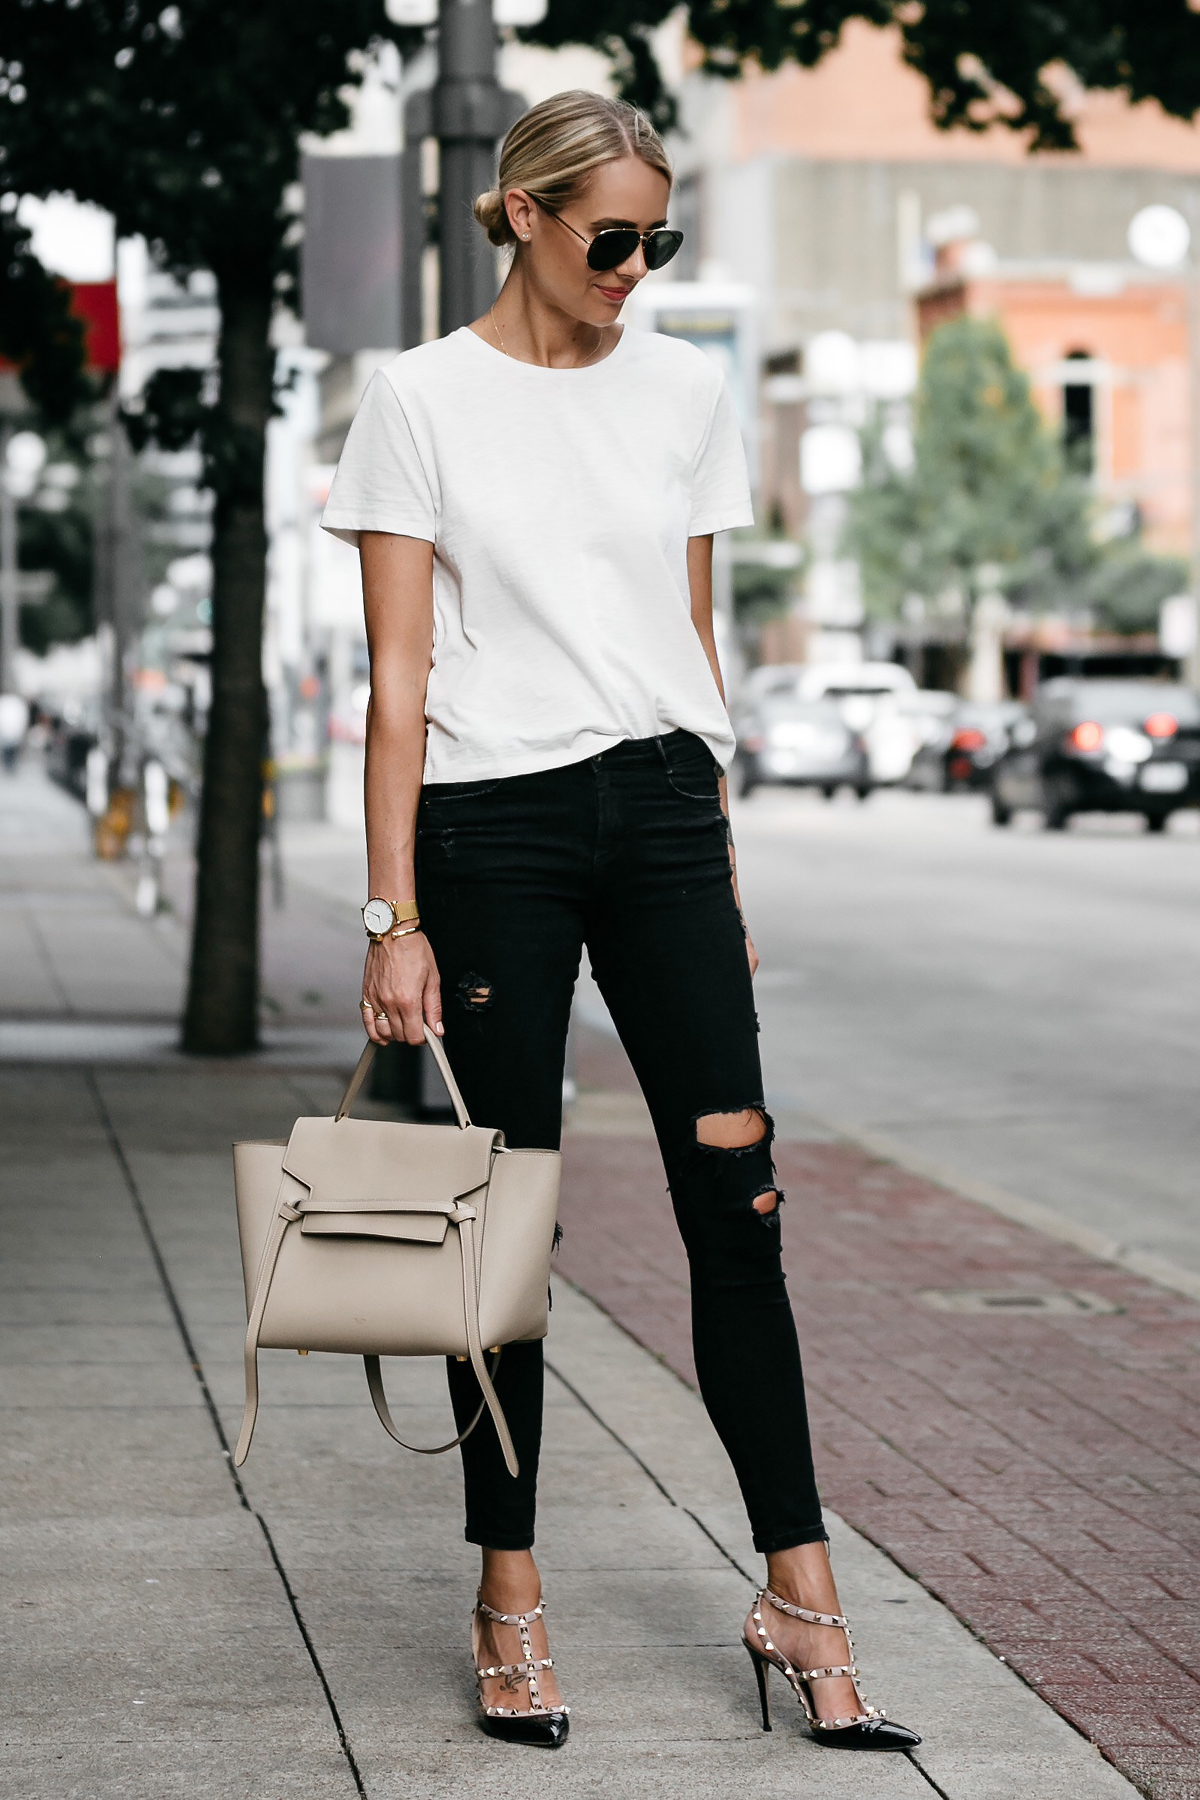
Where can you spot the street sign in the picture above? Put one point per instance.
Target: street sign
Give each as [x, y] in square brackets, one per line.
[350, 257]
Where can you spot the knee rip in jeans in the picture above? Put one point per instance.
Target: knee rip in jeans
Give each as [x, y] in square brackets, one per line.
[474, 993]
[735, 1133]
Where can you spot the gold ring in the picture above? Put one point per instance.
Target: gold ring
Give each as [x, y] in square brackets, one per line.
[365, 1006]
[380, 1015]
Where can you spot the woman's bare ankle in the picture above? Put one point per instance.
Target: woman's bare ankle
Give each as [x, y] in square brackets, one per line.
[804, 1576]
[509, 1581]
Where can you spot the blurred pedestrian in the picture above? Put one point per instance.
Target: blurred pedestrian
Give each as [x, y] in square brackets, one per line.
[534, 499]
[14, 721]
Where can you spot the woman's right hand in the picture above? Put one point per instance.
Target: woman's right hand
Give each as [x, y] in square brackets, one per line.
[401, 991]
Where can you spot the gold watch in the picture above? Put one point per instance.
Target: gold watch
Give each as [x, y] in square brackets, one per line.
[382, 916]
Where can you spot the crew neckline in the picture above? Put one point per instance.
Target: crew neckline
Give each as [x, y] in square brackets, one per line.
[541, 369]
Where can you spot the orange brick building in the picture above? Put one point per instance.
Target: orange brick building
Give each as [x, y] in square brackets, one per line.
[1112, 367]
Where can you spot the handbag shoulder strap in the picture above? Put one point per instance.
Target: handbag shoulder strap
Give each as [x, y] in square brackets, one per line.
[444, 1070]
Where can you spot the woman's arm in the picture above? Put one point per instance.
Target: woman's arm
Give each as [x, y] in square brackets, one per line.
[699, 566]
[401, 978]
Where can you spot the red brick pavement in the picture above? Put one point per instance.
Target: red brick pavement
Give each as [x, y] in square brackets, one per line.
[1038, 1474]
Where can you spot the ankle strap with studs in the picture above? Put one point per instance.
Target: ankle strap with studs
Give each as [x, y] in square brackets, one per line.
[802, 1612]
[525, 1618]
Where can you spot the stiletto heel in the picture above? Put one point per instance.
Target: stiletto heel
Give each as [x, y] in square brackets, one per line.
[544, 1726]
[868, 1729]
[761, 1665]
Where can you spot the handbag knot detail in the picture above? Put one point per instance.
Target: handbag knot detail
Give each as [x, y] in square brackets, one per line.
[375, 1238]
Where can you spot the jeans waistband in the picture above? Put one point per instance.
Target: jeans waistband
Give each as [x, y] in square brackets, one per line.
[631, 752]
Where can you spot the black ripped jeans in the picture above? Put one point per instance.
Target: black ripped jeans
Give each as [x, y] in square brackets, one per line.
[627, 854]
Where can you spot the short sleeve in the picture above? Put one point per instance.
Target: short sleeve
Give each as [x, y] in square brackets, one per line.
[720, 484]
[380, 483]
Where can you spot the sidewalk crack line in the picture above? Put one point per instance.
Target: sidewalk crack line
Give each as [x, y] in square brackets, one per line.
[604, 1425]
[181, 1325]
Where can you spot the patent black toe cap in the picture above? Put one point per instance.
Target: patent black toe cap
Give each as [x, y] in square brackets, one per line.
[872, 1734]
[545, 1731]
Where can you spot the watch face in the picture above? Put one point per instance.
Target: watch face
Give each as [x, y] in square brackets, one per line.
[377, 916]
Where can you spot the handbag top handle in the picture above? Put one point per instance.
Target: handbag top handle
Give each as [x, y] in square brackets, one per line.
[444, 1070]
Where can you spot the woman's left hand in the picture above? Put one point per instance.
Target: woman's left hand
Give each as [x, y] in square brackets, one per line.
[752, 953]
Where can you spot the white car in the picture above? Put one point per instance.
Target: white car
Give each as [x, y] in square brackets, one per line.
[873, 697]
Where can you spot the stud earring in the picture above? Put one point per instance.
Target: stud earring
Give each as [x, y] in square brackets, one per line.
[525, 237]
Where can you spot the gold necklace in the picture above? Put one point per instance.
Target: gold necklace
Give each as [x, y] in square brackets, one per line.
[598, 329]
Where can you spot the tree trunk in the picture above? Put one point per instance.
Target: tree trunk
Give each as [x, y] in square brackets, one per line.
[985, 671]
[221, 1018]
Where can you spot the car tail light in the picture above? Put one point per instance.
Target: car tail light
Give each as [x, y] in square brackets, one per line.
[968, 739]
[1086, 736]
[754, 744]
[1161, 725]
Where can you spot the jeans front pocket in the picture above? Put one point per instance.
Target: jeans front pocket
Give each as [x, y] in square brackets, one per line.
[691, 768]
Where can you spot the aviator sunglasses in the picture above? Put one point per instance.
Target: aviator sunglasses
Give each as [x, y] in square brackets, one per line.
[609, 249]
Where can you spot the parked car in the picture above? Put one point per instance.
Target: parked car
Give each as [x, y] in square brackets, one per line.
[799, 743]
[971, 738]
[862, 678]
[1102, 746]
[871, 697]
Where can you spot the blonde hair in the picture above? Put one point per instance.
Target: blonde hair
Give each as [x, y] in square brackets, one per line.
[553, 150]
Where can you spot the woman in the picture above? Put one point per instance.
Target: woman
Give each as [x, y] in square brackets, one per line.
[534, 499]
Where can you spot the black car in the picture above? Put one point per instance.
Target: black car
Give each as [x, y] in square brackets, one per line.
[960, 755]
[1102, 746]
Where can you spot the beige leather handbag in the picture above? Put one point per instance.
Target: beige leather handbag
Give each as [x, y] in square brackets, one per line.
[379, 1239]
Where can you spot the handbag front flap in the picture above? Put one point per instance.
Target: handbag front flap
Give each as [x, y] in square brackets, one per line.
[347, 1161]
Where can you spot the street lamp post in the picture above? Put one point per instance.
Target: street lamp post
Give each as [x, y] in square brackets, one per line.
[469, 114]
[1160, 238]
[466, 111]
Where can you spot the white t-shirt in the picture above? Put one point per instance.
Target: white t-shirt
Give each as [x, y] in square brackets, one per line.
[559, 503]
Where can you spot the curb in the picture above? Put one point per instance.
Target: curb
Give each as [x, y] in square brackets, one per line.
[1030, 1213]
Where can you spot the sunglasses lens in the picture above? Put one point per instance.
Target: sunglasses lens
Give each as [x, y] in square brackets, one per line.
[662, 247]
[609, 249]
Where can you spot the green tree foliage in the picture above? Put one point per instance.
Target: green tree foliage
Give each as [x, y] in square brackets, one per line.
[184, 121]
[1129, 584]
[761, 594]
[60, 524]
[60, 543]
[38, 331]
[984, 64]
[988, 487]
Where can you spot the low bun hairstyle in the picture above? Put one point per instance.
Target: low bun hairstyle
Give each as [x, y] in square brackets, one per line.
[553, 150]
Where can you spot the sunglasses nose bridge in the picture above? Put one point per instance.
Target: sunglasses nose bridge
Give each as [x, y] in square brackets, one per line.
[635, 263]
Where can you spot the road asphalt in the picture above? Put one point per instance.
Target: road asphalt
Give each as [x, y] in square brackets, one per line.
[1015, 1009]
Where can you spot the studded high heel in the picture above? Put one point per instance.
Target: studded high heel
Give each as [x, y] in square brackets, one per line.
[869, 1729]
[535, 1724]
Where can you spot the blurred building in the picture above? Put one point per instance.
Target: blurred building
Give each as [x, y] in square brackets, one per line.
[856, 221]
[819, 186]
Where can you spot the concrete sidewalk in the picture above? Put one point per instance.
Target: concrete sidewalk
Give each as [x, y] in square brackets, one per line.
[179, 1632]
